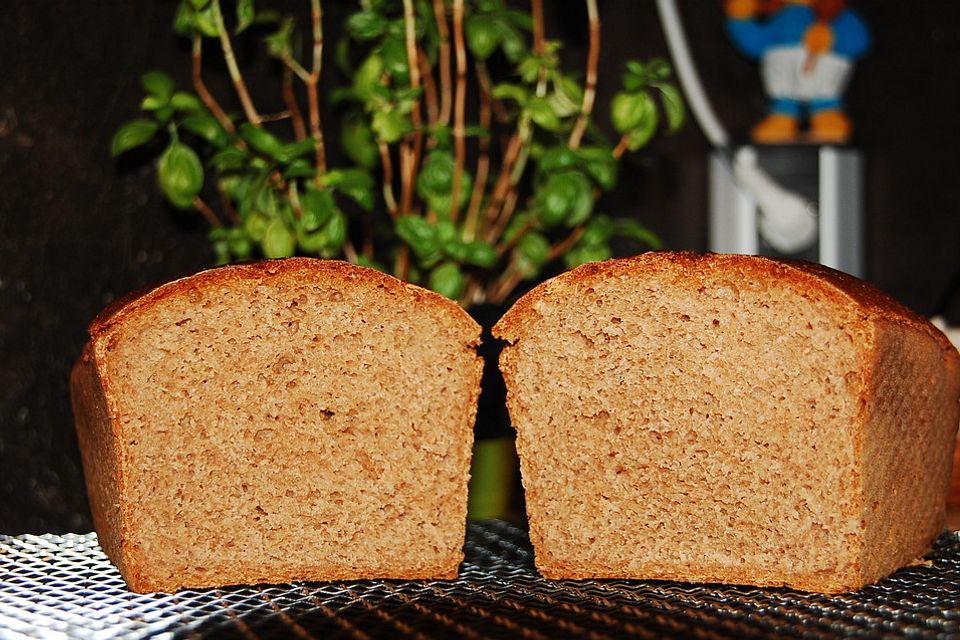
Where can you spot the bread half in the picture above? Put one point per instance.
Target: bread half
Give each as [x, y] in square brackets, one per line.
[277, 421]
[729, 419]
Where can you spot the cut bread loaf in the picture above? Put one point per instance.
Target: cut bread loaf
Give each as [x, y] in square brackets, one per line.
[728, 419]
[277, 421]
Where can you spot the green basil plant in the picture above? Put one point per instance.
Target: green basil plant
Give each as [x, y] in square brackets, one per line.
[451, 178]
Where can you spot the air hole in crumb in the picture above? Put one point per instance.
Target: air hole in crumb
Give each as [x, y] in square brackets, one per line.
[716, 322]
[616, 320]
[326, 414]
[180, 323]
[685, 317]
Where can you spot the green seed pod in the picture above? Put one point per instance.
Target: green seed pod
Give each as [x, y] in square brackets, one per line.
[534, 247]
[631, 110]
[256, 225]
[394, 53]
[335, 231]
[480, 254]
[482, 34]
[601, 165]
[436, 174]
[180, 175]
[557, 159]
[367, 76]
[582, 205]
[318, 208]
[359, 144]
[278, 241]
[556, 198]
[447, 280]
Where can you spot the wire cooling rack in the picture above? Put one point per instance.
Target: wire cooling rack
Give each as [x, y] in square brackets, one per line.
[64, 587]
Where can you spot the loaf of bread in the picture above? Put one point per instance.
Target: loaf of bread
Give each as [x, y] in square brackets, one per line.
[729, 419]
[277, 421]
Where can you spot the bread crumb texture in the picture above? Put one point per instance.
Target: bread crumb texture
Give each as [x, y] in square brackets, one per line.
[278, 421]
[728, 419]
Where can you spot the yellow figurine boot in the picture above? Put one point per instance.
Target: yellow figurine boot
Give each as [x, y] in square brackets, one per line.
[774, 129]
[830, 126]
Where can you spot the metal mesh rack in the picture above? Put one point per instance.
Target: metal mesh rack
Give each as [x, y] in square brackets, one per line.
[64, 587]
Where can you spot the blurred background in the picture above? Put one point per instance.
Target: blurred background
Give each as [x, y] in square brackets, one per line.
[77, 229]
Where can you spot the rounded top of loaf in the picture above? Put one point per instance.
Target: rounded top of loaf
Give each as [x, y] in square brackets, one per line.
[869, 303]
[305, 269]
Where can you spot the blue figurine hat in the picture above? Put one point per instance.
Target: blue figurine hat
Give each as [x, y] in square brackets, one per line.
[806, 50]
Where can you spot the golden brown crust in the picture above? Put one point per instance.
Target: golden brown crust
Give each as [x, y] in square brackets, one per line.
[922, 376]
[97, 440]
[310, 267]
[873, 304]
[99, 424]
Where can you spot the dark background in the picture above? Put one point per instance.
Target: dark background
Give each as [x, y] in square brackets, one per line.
[77, 229]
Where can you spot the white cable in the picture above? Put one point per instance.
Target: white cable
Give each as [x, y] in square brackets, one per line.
[687, 72]
[787, 221]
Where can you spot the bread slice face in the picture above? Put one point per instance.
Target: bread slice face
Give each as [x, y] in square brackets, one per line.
[278, 421]
[729, 419]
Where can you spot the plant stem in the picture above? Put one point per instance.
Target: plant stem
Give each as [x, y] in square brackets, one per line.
[387, 165]
[486, 87]
[500, 289]
[483, 168]
[313, 98]
[201, 88]
[349, 251]
[539, 40]
[401, 267]
[290, 99]
[407, 173]
[522, 231]
[232, 216]
[429, 88]
[539, 43]
[622, 145]
[459, 115]
[590, 86]
[367, 246]
[566, 244]
[232, 67]
[503, 182]
[509, 205]
[207, 212]
[317, 26]
[275, 117]
[413, 64]
[512, 172]
[471, 293]
[440, 13]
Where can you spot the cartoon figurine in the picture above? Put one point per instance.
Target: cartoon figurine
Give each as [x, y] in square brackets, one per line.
[806, 50]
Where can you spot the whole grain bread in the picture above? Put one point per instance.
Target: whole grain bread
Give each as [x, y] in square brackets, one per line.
[726, 418]
[277, 421]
